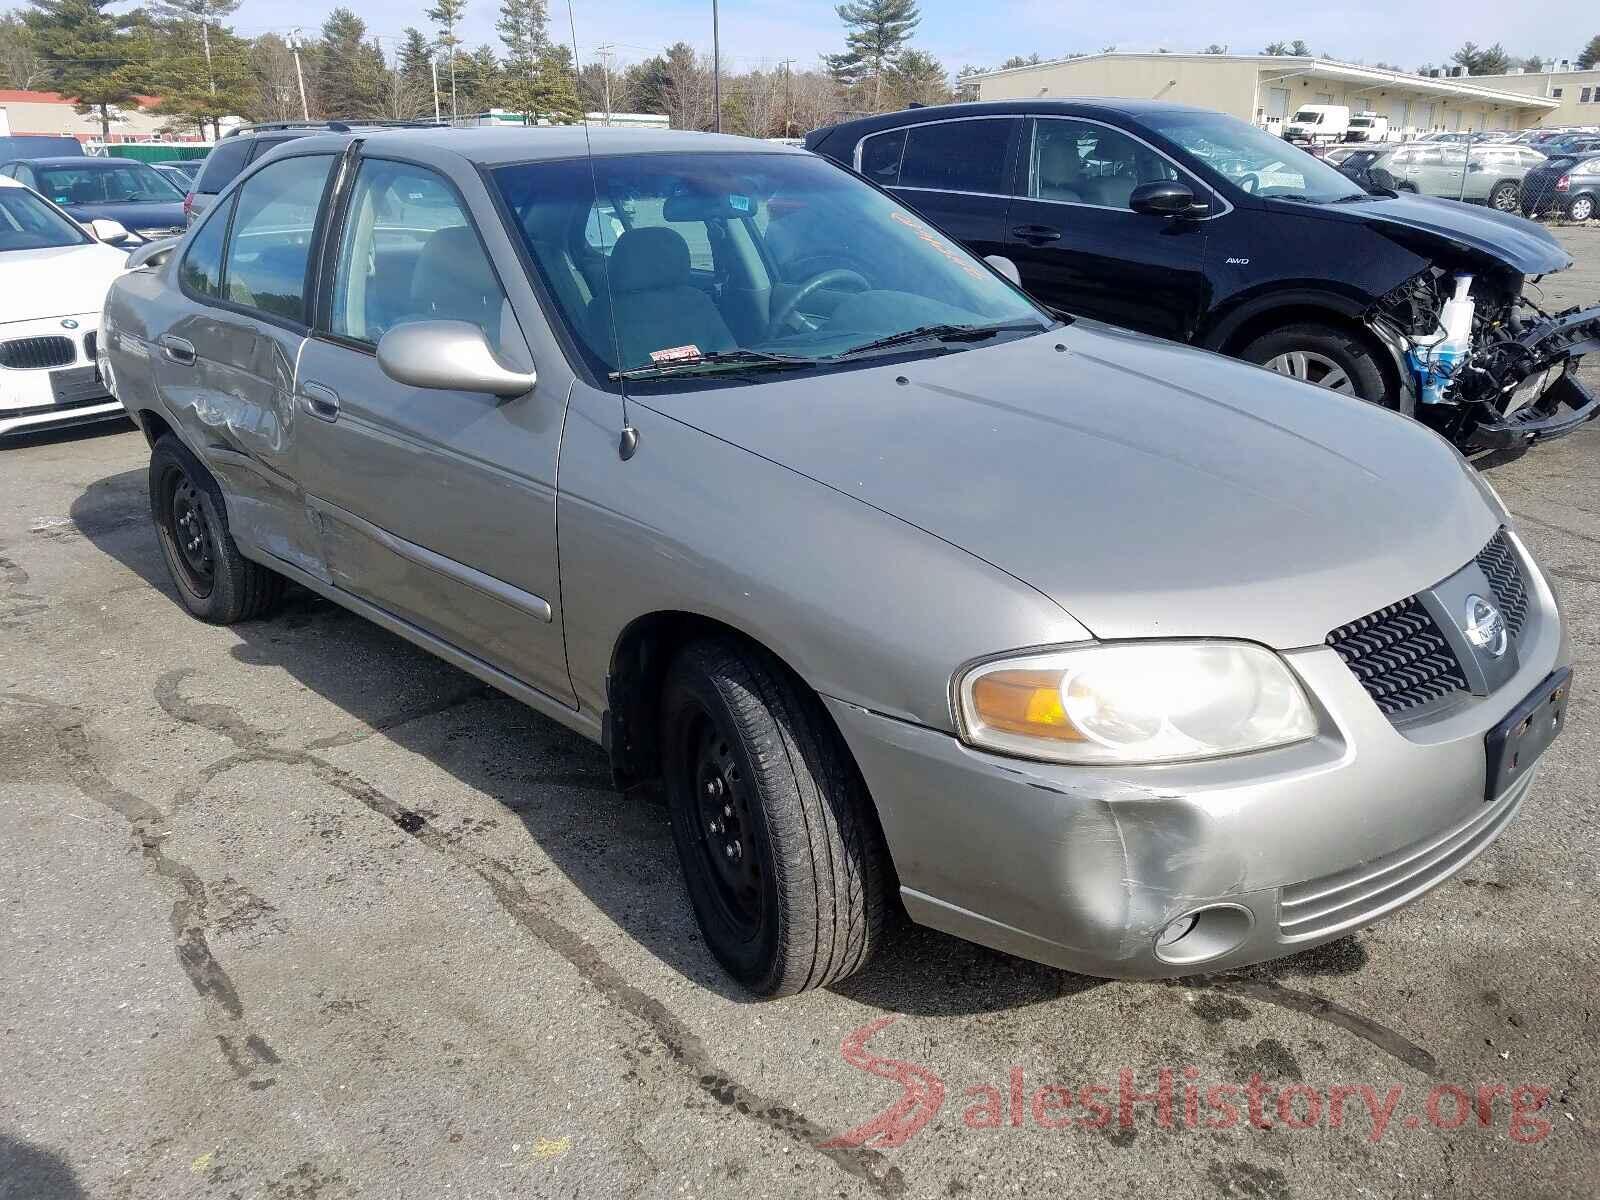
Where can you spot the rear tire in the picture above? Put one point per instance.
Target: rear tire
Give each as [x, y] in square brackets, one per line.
[781, 853]
[1580, 208]
[1506, 197]
[1324, 356]
[215, 582]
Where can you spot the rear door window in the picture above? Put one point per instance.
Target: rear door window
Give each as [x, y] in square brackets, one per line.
[222, 164]
[269, 247]
[200, 272]
[880, 157]
[958, 156]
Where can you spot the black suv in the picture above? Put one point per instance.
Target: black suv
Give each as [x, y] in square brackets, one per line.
[1195, 226]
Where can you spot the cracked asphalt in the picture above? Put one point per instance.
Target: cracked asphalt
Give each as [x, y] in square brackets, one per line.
[292, 910]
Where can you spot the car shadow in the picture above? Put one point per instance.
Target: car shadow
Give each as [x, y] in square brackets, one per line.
[615, 848]
[30, 1172]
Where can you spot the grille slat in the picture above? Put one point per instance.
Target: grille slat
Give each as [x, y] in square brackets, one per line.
[1498, 563]
[1399, 656]
[37, 353]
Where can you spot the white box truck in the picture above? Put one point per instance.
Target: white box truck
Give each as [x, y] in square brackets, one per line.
[1318, 124]
[1367, 127]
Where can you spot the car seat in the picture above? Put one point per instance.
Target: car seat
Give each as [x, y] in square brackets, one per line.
[653, 302]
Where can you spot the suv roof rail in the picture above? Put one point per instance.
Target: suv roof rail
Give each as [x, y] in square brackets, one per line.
[333, 126]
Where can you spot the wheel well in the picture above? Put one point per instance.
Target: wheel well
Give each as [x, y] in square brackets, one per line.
[1310, 314]
[152, 426]
[639, 663]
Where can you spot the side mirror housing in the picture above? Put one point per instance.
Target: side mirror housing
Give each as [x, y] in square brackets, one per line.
[1166, 198]
[112, 233]
[451, 356]
[1005, 266]
[1381, 179]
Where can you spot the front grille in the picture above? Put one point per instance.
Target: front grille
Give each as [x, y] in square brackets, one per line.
[37, 353]
[89, 345]
[1499, 565]
[1347, 899]
[1399, 656]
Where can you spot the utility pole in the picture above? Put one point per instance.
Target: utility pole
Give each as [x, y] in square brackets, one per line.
[300, 79]
[603, 52]
[716, 67]
[788, 94]
[433, 64]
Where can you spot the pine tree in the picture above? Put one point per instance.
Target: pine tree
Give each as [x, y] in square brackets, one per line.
[523, 31]
[92, 56]
[350, 72]
[1590, 56]
[203, 16]
[876, 31]
[203, 76]
[556, 97]
[414, 62]
[919, 78]
[447, 14]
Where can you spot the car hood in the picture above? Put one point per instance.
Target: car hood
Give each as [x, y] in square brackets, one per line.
[1151, 490]
[132, 216]
[1519, 243]
[58, 281]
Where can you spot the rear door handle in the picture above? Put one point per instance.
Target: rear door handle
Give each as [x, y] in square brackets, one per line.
[1037, 233]
[178, 350]
[321, 402]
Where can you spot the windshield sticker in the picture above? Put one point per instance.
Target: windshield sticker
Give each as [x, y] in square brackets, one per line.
[739, 204]
[938, 243]
[675, 354]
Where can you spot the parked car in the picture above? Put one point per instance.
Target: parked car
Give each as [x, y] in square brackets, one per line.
[53, 280]
[37, 145]
[1483, 174]
[182, 172]
[116, 189]
[1082, 640]
[245, 144]
[1198, 227]
[1318, 124]
[1566, 185]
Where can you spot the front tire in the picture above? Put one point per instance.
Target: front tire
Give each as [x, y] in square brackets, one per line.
[214, 581]
[1324, 356]
[1506, 197]
[782, 857]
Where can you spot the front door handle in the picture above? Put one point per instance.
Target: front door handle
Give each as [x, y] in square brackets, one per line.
[178, 350]
[1037, 233]
[321, 402]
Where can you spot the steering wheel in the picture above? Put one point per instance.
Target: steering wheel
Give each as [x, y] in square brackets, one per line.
[820, 280]
[1249, 181]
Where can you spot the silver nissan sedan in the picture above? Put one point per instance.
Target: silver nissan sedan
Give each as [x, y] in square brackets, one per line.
[1101, 650]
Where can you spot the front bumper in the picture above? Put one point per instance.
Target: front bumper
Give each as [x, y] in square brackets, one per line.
[1567, 405]
[28, 402]
[1082, 867]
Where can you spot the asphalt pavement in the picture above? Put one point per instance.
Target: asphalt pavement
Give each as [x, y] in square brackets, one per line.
[293, 910]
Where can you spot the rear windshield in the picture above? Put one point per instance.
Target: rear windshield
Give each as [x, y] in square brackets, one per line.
[222, 164]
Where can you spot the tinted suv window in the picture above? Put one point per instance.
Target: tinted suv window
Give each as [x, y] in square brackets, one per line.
[957, 156]
[270, 245]
[200, 273]
[880, 157]
[222, 164]
[410, 254]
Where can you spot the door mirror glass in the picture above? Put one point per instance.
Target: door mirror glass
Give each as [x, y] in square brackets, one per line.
[1167, 199]
[1381, 180]
[448, 355]
[1005, 266]
[112, 233]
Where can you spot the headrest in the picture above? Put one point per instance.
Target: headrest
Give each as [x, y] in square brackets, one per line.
[649, 259]
[451, 259]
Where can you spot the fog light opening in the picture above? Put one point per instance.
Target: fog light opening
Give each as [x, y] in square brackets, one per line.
[1204, 934]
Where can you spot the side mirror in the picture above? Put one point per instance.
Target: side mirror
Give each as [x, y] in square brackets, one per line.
[1166, 198]
[1382, 179]
[112, 233]
[1005, 266]
[450, 355]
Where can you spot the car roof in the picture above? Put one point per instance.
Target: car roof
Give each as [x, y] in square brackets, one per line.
[492, 147]
[1079, 106]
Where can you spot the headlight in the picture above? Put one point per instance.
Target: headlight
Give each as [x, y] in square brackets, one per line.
[1134, 702]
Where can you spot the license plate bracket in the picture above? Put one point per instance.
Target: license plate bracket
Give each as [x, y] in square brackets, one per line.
[1514, 745]
[74, 384]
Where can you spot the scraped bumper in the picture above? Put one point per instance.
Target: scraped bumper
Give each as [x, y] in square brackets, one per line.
[1555, 345]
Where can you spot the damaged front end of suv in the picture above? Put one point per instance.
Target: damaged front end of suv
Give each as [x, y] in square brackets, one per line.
[1479, 359]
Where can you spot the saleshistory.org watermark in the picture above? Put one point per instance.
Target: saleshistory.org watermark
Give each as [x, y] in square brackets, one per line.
[1180, 1098]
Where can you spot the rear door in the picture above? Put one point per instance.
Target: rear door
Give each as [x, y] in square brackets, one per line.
[1080, 247]
[436, 506]
[225, 356]
[956, 173]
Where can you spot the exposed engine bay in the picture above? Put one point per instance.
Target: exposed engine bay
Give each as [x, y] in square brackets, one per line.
[1489, 368]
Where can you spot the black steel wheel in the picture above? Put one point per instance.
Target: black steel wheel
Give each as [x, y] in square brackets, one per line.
[214, 581]
[781, 851]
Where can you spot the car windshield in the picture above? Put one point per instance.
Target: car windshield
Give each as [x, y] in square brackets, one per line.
[106, 183]
[685, 263]
[28, 223]
[1253, 159]
[1360, 122]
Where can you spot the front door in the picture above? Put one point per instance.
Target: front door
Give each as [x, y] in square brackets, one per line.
[436, 506]
[956, 173]
[1080, 248]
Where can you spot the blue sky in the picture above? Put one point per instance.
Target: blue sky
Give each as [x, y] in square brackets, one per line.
[959, 31]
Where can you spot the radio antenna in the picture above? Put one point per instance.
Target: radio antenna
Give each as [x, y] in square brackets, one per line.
[630, 436]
